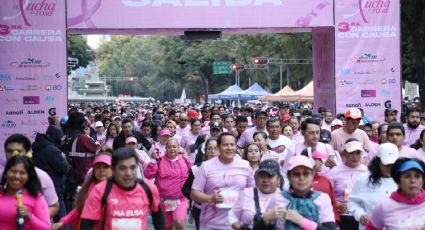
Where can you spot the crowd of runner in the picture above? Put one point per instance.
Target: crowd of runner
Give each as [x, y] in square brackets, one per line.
[117, 166]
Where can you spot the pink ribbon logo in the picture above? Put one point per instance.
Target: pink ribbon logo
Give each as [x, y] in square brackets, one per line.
[85, 15]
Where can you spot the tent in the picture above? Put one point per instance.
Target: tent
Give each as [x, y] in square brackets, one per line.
[253, 92]
[277, 96]
[231, 93]
[303, 95]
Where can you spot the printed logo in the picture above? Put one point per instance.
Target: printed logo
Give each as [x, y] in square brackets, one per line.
[29, 122]
[8, 124]
[364, 7]
[6, 88]
[17, 34]
[385, 92]
[28, 78]
[358, 105]
[368, 93]
[387, 104]
[52, 111]
[5, 77]
[367, 81]
[347, 82]
[368, 58]
[29, 88]
[355, 31]
[345, 72]
[14, 112]
[31, 100]
[30, 62]
[39, 8]
[388, 80]
[35, 111]
[371, 104]
[49, 98]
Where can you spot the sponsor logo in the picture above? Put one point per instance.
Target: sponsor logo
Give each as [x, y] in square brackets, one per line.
[5, 77]
[49, 98]
[6, 88]
[52, 111]
[31, 100]
[8, 124]
[357, 105]
[368, 93]
[372, 104]
[387, 104]
[388, 80]
[347, 82]
[29, 88]
[367, 81]
[48, 87]
[14, 112]
[37, 8]
[30, 62]
[29, 123]
[53, 77]
[364, 7]
[177, 3]
[28, 78]
[35, 111]
[345, 72]
[385, 92]
[368, 58]
[11, 100]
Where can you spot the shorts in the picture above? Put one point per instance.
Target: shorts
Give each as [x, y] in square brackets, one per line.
[178, 214]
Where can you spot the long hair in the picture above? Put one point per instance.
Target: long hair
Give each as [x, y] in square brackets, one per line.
[375, 172]
[108, 131]
[33, 184]
[245, 155]
[418, 144]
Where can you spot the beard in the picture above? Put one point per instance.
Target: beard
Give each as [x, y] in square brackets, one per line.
[412, 125]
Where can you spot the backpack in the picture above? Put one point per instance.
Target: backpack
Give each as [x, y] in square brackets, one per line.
[108, 188]
[304, 206]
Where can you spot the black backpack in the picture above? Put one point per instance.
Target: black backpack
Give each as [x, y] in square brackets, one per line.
[108, 188]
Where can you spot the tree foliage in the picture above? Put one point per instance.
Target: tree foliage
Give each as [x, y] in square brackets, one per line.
[78, 48]
[166, 64]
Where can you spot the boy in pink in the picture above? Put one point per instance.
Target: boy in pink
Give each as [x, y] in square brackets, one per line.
[218, 182]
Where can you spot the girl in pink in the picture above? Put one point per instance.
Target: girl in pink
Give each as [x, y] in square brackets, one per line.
[20, 197]
[405, 208]
[261, 139]
[170, 173]
[342, 178]
[252, 153]
[101, 171]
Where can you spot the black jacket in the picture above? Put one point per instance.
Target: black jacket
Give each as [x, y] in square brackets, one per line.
[48, 157]
[119, 140]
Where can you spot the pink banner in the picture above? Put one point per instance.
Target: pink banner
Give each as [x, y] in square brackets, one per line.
[367, 52]
[33, 82]
[146, 14]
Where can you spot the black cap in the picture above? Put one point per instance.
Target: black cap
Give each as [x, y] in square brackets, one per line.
[269, 166]
[258, 113]
[216, 125]
[390, 110]
[422, 115]
[283, 105]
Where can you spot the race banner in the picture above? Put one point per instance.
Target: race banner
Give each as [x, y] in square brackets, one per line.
[367, 56]
[33, 81]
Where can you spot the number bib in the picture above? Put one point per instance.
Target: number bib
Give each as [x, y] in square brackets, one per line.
[126, 224]
[171, 204]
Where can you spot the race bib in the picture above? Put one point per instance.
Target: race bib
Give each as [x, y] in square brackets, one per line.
[171, 205]
[229, 199]
[126, 224]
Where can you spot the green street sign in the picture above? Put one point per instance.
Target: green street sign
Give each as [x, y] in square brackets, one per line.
[222, 67]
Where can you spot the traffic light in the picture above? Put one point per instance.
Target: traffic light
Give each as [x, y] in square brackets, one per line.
[235, 67]
[260, 61]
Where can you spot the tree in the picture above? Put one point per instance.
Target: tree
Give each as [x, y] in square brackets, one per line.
[413, 47]
[78, 48]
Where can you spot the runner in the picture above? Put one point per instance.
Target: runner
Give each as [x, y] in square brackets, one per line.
[412, 127]
[260, 138]
[253, 154]
[260, 126]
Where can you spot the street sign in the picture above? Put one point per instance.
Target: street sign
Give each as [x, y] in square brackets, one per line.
[222, 67]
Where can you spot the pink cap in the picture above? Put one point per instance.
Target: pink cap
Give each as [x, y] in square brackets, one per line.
[130, 140]
[102, 159]
[300, 160]
[318, 155]
[164, 132]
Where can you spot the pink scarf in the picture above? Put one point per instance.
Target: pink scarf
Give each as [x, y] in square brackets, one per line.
[419, 199]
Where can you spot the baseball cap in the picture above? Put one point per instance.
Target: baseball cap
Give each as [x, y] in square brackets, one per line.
[285, 117]
[318, 155]
[192, 114]
[353, 146]
[131, 140]
[164, 132]
[300, 160]
[216, 125]
[98, 124]
[390, 110]
[336, 122]
[102, 159]
[258, 113]
[269, 166]
[388, 153]
[283, 105]
[353, 113]
[258, 103]
[117, 118]
[411, 164]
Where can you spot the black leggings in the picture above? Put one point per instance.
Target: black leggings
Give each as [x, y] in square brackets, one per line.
[348, 223]
[196, 213]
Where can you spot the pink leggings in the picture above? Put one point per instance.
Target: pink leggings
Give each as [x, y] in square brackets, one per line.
[178, 214]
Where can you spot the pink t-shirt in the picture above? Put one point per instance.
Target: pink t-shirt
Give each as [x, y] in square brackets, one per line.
[36, 206]
[412, 135]
[247, 136]
[187, 141]
[244, 209]
[342, 179]
[182, 131]
[421, 154]
[393, 215]
[125, 209]
[339, 137]
[323, 202]
[298, 138]
[214, 176]
[408, 152]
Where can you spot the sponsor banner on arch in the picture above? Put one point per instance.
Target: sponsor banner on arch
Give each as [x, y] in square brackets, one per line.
[133, 14]
[367, 67]
[32, 66]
